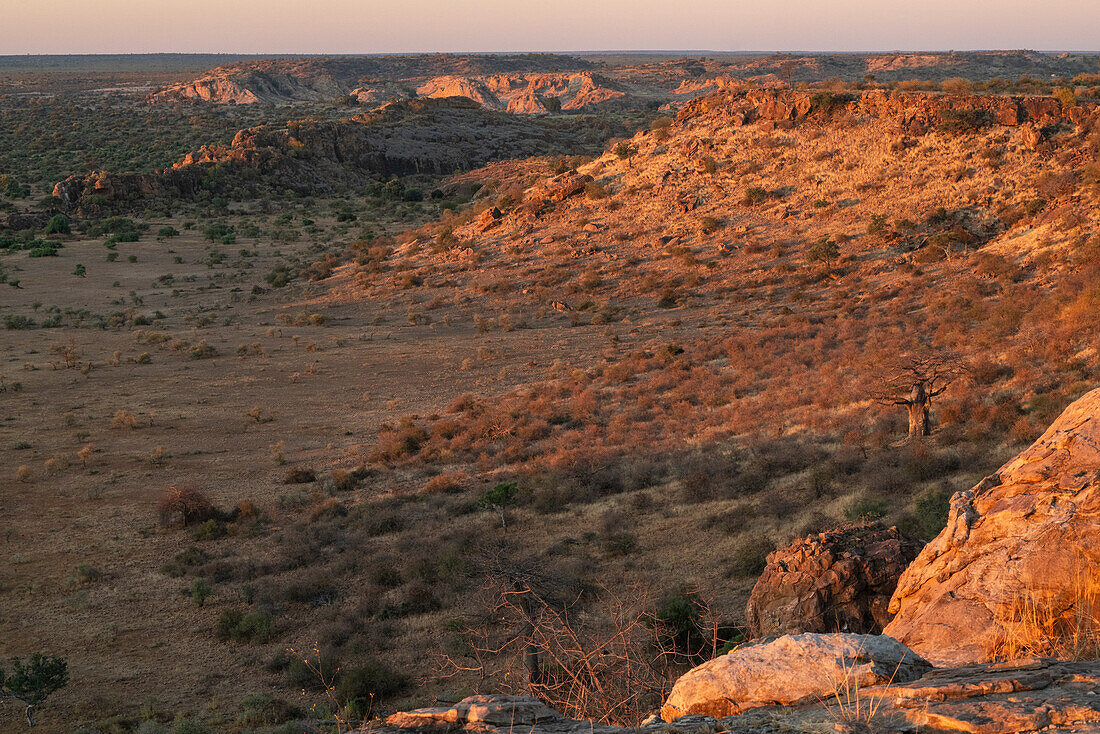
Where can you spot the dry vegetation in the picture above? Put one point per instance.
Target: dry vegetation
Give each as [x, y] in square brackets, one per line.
[296, 422]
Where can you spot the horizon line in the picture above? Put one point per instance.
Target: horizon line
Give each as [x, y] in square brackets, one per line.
[583, 52]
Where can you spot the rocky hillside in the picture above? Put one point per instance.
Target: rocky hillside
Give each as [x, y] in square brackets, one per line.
[432, 137]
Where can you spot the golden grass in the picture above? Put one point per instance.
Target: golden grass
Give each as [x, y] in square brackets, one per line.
[850, 702]
[1064, 625]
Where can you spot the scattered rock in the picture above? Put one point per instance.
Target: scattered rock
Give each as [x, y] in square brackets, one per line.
[567, 186]
[1027, 532]
[838, 581]
[789, 670]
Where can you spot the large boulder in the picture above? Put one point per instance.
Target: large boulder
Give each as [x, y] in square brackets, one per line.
[837, 581]
[1026, 537]
[789, 670]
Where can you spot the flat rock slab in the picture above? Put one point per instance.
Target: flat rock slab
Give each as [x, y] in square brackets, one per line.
[789, 670]
[1021, 696]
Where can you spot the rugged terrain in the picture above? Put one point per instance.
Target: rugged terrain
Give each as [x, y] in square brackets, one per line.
[539, 83]
[619, 382]
[410, 137]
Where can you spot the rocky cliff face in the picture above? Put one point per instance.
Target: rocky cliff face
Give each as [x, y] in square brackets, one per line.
[1025, 539]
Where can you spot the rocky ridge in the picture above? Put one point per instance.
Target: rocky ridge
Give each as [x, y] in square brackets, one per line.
[435, 136]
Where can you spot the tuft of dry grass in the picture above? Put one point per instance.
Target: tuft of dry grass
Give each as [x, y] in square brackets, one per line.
[1063, 625]
[851, 703]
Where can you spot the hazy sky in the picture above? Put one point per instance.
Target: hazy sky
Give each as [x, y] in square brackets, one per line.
[368, 26]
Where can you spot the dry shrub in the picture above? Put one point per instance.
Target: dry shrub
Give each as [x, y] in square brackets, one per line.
[327, 507]
[124, 419]
[183, 506]
[246, 508]
[612, 667]
[1063, 625]
[448, 482]
[300, 475]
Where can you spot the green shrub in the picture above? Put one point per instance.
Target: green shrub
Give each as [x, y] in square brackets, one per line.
[237, 626]
[263, 709]
[306, 676]
[625, 150]
[679, 622]
[828, 101]
[58, 224]
[45, 249]
[864, 508]
[31, 681]
[932, 509]
[501, 495]
[188, 725]
[755, 195]
[750, 555]
[360, 688]
[878, 225]
[218, 232]
[824, 250]
[12, 321]
[199, 592]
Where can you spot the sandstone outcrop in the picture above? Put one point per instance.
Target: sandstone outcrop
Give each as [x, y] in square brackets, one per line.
[455, 86]
[837, 581]
[1027, 535]
[790, 670]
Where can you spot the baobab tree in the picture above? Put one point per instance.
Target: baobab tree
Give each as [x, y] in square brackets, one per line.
[913, 383]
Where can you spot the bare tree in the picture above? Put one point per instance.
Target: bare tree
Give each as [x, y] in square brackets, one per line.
[914, 382]
[787, 67]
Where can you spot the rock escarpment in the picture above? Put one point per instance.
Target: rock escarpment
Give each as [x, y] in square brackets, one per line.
[913, 113]
[311, 79]
[838, 581]
[1025, 537]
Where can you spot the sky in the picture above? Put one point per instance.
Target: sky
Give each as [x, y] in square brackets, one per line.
[384, 26]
